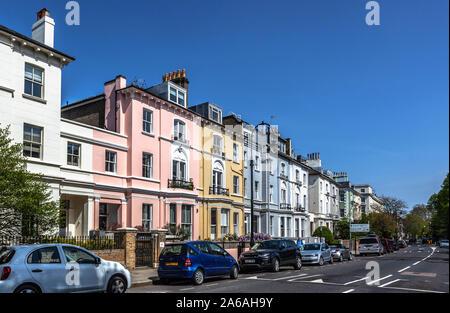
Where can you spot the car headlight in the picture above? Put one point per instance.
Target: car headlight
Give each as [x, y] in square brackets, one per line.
[123, 265]
[265, 255]
[316, 254]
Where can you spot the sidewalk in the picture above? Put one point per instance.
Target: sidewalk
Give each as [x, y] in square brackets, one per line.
[143, 276]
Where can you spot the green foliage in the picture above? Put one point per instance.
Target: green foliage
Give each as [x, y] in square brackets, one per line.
[438, 204]
[342, 229]
[25, 199]
[382, 224]
[325, 232]
[178, 231]
[414, 225]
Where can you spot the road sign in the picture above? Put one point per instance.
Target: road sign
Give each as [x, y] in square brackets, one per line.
[359, 228]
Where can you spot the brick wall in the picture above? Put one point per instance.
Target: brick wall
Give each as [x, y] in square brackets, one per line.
[115, 255]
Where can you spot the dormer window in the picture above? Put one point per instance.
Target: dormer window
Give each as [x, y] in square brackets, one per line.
[282, 146]
[215, 114]
[177, 96]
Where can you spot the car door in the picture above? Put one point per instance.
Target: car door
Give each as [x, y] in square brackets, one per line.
[327, 252]
[88, 275]
[220, 257]
[208, 261]
[45, 267]
[283, 253]
[292, 247]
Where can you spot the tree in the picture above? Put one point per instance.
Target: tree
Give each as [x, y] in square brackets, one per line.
[422, 210]
[414, 225]
[382, 224]
[439, 206]
[25, 200]
[396, 209]
[325, 232]
[342, 229]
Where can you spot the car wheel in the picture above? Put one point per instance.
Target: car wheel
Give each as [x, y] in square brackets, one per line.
[331, 260]
[350, 257]
[27, 289]
[117, 285]
[234, 272]
[321, 261]
[198, 277]
[298, 263]
[275, 265]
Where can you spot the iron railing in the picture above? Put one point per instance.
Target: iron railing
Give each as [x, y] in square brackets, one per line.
[285, 206]
[217, 190]
[299, 208]
[179, 183]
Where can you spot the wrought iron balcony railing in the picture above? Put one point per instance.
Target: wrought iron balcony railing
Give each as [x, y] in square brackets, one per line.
[179, 183]
[217, 190]
[300, 208]
[284, 176]
[285, 206]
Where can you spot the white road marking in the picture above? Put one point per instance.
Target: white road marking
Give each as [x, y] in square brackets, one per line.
[348, 291]
[403, 269]
[391, 282]
[377, 280]
[304, 277]
[416, 263]
[209, 285]
[290, 277]
[187, 288]
[419, 290]
[354, 281]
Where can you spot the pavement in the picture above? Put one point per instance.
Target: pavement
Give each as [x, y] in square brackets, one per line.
[415, 269]
[143, 276]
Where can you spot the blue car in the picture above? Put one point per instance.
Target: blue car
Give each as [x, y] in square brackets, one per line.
[195, 260]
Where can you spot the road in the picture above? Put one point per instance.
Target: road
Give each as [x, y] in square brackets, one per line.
[415, 269]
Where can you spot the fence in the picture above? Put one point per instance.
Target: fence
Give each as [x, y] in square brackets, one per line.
[109, 242]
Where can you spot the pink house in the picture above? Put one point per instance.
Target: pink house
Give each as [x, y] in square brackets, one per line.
[145, 166]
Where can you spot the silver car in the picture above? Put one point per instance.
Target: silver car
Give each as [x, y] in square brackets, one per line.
[371, 245]
[443, 243]
[340, 252]
[51, 268]
[316, 253]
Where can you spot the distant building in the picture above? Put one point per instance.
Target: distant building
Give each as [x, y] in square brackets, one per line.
[370, 202]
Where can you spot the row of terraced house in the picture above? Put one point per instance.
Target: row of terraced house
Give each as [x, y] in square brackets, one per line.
[134, 156]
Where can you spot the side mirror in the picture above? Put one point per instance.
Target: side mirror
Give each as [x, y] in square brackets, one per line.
[98, 261]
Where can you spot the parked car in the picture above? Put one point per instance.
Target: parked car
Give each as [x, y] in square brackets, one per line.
[402, 244]
[370, 245]
[45, 268]
[387, 246]
[316, 253]
[411, 241]
[340, 252]
[195, 260]
[443, 243]
[271, 254]
[394, 245]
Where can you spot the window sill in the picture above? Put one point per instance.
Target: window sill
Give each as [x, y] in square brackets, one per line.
[148, 134]
[29, 97]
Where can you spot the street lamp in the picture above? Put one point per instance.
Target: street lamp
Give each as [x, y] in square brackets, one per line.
[252, 164]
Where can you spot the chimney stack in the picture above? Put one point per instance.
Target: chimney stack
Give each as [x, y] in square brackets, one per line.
[178, 77]
[44, 28]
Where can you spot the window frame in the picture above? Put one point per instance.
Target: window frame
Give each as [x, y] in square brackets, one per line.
[149, 220]
[146, 122]
[73, 155]
[147, 167]
[33, 143]
[33, 81]
[108, 161]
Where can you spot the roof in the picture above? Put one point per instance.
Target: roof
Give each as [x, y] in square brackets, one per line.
[70, 105]
[19, 35]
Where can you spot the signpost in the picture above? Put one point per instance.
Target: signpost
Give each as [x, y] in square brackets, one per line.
[358, 228]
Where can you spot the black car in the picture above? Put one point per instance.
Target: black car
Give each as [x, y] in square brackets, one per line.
[271, 254]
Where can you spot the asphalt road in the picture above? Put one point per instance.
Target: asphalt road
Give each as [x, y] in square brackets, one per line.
[415, 269]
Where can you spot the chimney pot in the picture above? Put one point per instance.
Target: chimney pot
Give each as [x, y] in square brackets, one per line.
[41, 13]
[178, 73]
[183, 73]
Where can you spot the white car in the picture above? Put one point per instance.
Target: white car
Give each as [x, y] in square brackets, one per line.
[51, 268]
[443, 243]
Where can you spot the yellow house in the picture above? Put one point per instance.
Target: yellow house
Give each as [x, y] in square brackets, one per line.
[221, 190]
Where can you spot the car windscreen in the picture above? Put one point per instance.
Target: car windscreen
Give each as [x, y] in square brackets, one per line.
[270, 244]
[444, 241]
[311, 246]
[336, 246]
[368, 241]
[6, 255]
[171, 250]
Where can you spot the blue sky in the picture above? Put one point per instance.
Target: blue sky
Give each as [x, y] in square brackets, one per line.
[374, 101]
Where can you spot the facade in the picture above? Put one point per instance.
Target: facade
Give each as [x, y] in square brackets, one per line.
[349, 198]
[323, 195]
[221, 174]
[30, 97]
[370, 202]
[145, 157]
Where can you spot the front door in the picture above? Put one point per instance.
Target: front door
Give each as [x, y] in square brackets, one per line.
[45, 266]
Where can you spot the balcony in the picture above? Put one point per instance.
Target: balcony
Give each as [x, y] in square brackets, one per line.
[284, 176]
[285, 206]
[299, 208]
[179, 183]
[217, 190]
[298, 182]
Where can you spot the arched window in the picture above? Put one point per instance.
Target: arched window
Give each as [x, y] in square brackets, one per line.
[179, 165]
[217, 179]
[179, 130]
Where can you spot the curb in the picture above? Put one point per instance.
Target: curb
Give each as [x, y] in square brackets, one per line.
[144, 282]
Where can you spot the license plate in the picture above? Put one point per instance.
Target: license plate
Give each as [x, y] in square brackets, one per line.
[368, 247]
[250, 261]
[171, 263]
